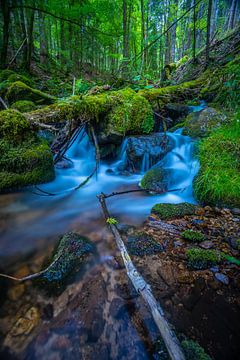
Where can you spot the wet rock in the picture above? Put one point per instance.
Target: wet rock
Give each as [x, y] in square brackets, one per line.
[117, 307]
[126, 229]
[95, 324]
[194, 294]
[214, 269]
[166, 272]
[25, 325]
[206, 244]
[47, 312]
[61, 343]
[142, 152]
[157, 179]
[68, 257]
[126, 291]
[64, 164]
[234, 243]
[222, 278]
[176, 111]
[235, 211]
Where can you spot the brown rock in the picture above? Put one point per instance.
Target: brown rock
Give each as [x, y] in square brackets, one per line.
[15, 292]
[25, 324]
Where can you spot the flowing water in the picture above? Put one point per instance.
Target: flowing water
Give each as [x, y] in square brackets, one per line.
[31, 223]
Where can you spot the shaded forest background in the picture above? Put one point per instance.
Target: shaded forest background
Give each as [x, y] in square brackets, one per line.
[91, 37]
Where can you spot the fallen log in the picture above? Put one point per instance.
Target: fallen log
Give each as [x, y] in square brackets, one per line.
[141, 286]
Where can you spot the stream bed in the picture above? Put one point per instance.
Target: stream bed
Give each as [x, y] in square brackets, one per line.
[99, 314]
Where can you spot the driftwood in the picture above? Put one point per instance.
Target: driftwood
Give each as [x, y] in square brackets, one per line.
[161, 225]
[169, 338]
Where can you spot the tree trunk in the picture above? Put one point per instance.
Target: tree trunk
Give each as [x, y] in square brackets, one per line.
[232, 14]
[6, 21]
[209, 16]
[194, 32]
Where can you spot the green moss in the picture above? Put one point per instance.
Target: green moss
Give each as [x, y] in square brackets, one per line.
[67, 259]
[5, 74]
[28, 163]
[201, 123]
[17, 77]
[171, 211]
[20, 91]
[193, 236]
[200, 259]
[222, 86]
[218, 181]
[24, 106]
[155, 179]
[13, 126]
[162, 96]
[193, 351]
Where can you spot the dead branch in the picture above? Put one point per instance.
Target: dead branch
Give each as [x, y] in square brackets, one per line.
[169, 338]
[32, 276]
[3, 103]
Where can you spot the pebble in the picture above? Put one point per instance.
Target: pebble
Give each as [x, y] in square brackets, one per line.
[235, 211]
[214, 269]
[206, 244]
[222, 278]
[236, 219]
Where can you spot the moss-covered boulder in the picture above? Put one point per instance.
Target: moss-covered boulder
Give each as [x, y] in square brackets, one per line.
[218, 181]
[201, 123]
[172, 211]
[20, 91]
[141, 244]
[156, 179]
[17, 77]
[200, 259]
[14, 127]
[25, 158]
[24, 106]
[67, 259]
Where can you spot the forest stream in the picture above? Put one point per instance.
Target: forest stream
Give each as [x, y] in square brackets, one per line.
[32, 223]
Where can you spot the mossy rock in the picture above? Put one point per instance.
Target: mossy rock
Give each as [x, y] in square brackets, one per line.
[27, 163]
[17, 77]
[218, 181]
[131, 115]
[67, 259]
[201, 123]
[14, 127]
[200, 259]
[5, 74]
[193, 236]
[20, 91]
[24, 106]
[156, 179]
[172, 211]
[193, 351]
[141, 244]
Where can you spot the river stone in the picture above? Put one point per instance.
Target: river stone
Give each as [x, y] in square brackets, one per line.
[142, 152]
[206, 244]
[156, 179]
[201, 123]
[222, 278]
[67, 258]
[176, 111]
[140, 244]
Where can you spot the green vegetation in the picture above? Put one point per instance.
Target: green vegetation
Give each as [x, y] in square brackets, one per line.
[24, 106]
[111, 221]
[156, 179]
[193, 351]
[200, 259]
[172, 211]
[20, 91]
[218, 181]
[193, 236]
[14, 127]
[25, 159]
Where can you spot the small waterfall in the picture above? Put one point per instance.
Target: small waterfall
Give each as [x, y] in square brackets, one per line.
[145, 163]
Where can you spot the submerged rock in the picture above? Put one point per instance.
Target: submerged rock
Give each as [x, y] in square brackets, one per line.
[201, 123]
[68, 257]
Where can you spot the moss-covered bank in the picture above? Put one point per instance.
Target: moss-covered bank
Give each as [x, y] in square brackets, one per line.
[218, 181]
[25, 158]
